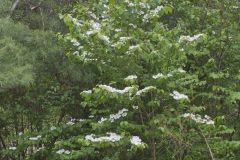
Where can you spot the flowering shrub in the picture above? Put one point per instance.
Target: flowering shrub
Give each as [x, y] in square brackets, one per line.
[154, 84]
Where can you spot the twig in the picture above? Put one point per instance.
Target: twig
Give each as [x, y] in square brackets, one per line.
[14, 6]
[206, 141]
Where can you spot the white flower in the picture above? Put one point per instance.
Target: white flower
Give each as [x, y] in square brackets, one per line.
[178, 96]
[124, 38]
[146, 89]
[82, 120]
[121, 113]
[12, 148]
[20, 133]
[67, 152]
[189, 38]
[114, 90]
[104, 38]
[96, 25]
[88, 33]
[118, 30]
[135, 107]
[53, 128]
[35, 138]
[70, 123]
[112, 137]
[75, 42]
[157, 10]
[181, 70]
[63, 151]
[159, 75]
[102, 120]
[91, 116]
[133, 47]
[198, 119]
[135, 140]
[87, 92]
[131, 77]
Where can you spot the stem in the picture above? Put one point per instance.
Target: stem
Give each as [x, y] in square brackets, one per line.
[208, 146]
[154, 157]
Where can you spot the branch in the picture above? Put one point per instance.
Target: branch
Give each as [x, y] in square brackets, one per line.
[14, 6]
[208, 146]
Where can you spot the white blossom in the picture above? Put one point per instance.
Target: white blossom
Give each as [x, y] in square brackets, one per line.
[181, 70]
[12, 148]
[87, 92]
[70, 123]
[75, 42]
[198, 119]
[159, 75]
[157, 10]
[112, 137]
[63, 151]
[189, 38]
[105, 38]
[53, 128]
[88, 33]
[35, 138]
[82, 120]
[146, 89]
[133, 47]
[178, 96]
[91, 116]
[102, 120]
[135, 140]
[96, 25]
[135, 107]
[114, 90]
[121, 113]
[118, 30]
[124, 38]
[131, 77]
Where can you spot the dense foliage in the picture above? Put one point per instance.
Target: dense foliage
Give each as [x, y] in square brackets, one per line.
[121, 80]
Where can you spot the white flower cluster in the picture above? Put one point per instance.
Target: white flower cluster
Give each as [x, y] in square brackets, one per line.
[131, 77]
[40, 148]
[178, 96]
[160, 75]
[135, 107]
[112, 137]
[96, 27]
[197, 118]
[146, 89]
[63, 151]
[134, 47]
[180, 70]
[75, 42]
[114, 90]
[189, 38]
[87, 92]
[135, 140]
[121, 113]
[104, 38]
[35, 138]
[70, 123]
[75, 21]
[113, 117]
[53, 128]
[153, 13]
[12, 148]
